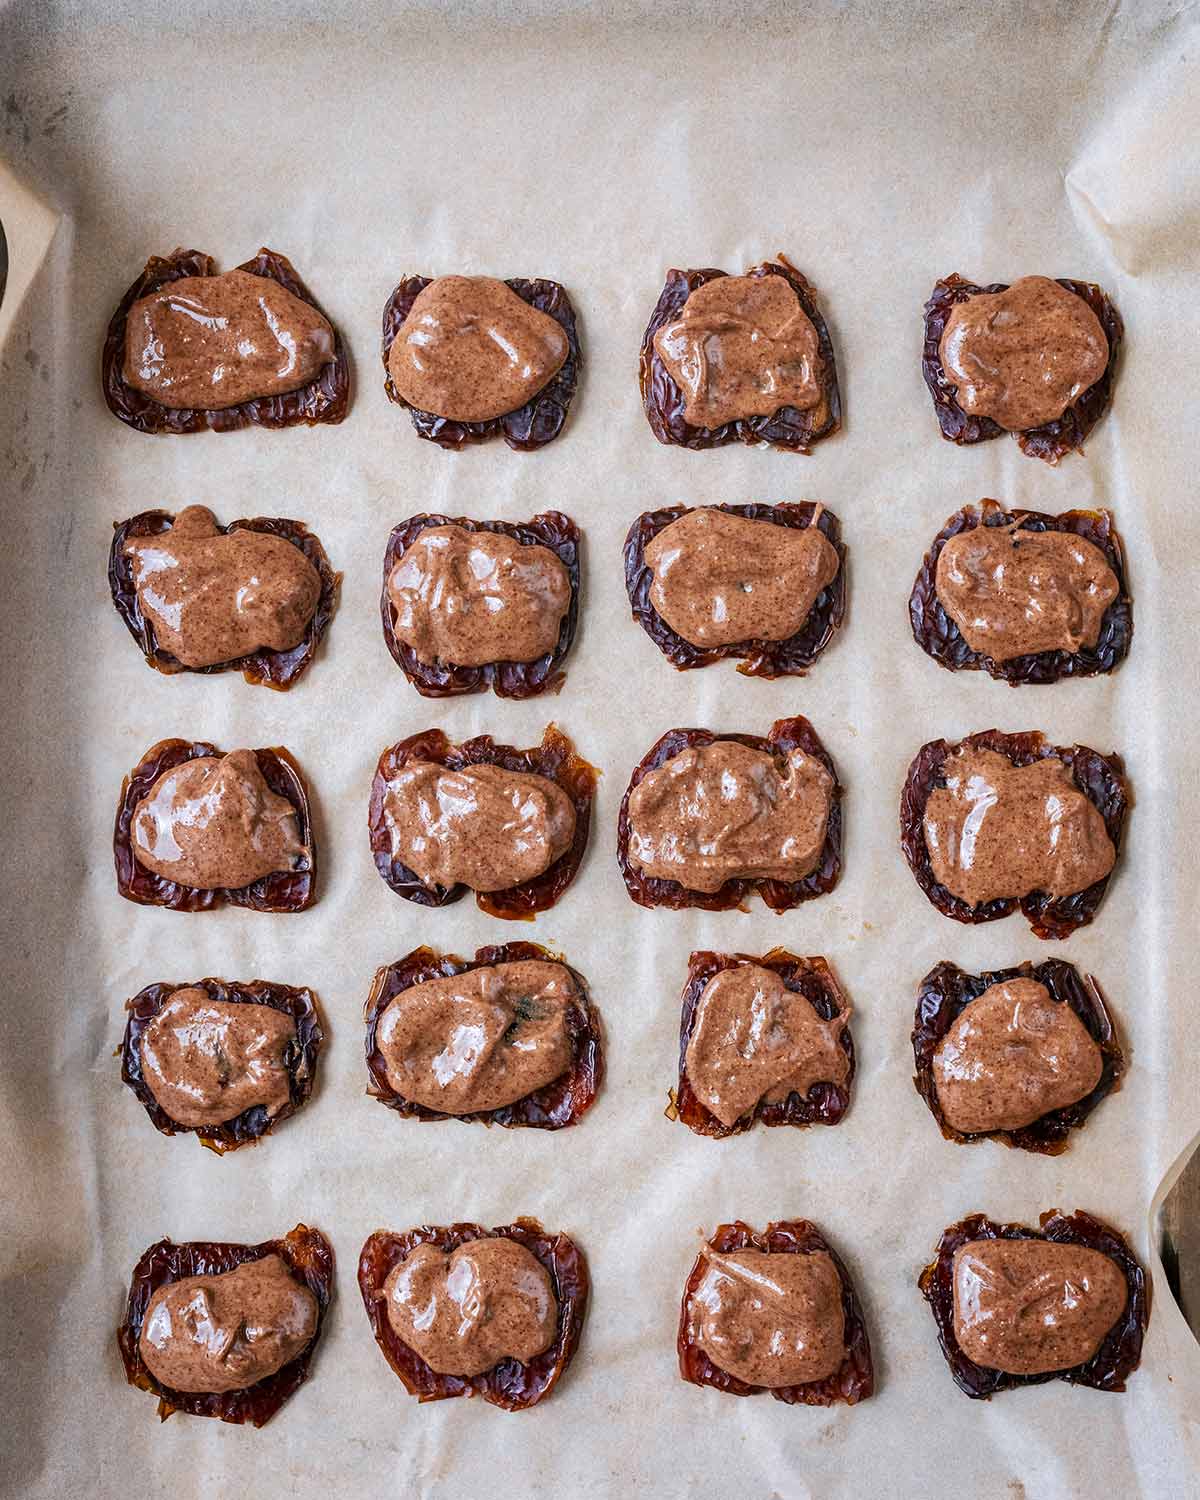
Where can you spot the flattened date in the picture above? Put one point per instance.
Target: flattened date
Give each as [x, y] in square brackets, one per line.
[854, 1382]
[264, 667]
[945, 993]
[560, 1103]
[1101, 778]
[507, 679]
[510, 1385]
[787, 658]
[300, 1056]
[785, 735]
[938, 636]
[1118, 1355]
[1053, 439]
[282, 891]
[531, 426]
[825, 1103]
[325, 399]
[309, 1256]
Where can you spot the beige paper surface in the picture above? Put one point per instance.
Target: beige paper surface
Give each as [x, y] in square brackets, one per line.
[880, 147]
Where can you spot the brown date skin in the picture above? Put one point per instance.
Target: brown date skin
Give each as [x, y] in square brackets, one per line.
[1100, 777]
[1119, 1354]
[555, 758]
[824, 1104]
[560, 1103]
[309, 1256]
[854, 1382]
[508, 679]
[787, 428]
[945, 993]
[300, 1056]
[1050, 441]
[795, 733]
[510, 1385]
[788, 658]
[325, 399]
[938, 636]
[282, 891]
[531, 426]
[262, 668]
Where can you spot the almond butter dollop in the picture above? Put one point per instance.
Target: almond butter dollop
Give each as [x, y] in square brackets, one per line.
[719, 579]
[742, 346]
[474, 597]
[999, 830]
[724, 811]
[470, 350]
[214, 596]
[479, 1040]
[770, 1319]
[755, 1040]
[208, 342]
[463, 1312]
[1022, 356]
[207, 1061]
[483, 826]
[213, 823]
[1028, 1307]
[1013, 1055]
[1013, 592]
[228, 1330]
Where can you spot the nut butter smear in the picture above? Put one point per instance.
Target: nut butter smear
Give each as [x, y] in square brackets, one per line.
[1028, 1307]
[228, 1330]
[1013, 1055]
[470, 350]
[213, 823]
[998, 830]
[720, 579]
[214, 596]
[479, 1040]
[208, 342]
[474, 597]
[1013, 592]
[770, 1319]
[1022, 356]
[207, 1061]
[742, 346]
[486, 1301]
[755, 1040]
[483, 826]
[724, 811]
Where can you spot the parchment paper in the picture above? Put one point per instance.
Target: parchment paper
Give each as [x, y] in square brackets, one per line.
[880, 147]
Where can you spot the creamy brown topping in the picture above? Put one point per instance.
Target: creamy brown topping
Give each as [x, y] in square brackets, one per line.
[755, 1040]
[483, 826]
[1012, 1056]
[474, 597]
[996, 829]
[720, 579]
[228, 1330]
[1031, 1306]
[470, 349]
[215, 341]
[723, 812]
[1024, 355]
[214, 596]
[487, 1300]
[1012, 592]
[206, 1061]
[479, 1040]
[742, 346]
[770, 1319]
[213, 822]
